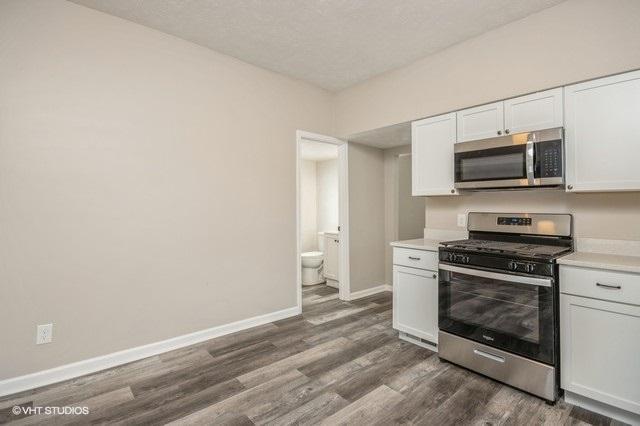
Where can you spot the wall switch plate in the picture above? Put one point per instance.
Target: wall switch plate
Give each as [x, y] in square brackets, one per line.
[44, 334]
[462, 220]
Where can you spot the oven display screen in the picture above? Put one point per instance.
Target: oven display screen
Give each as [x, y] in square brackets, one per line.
[518, 221]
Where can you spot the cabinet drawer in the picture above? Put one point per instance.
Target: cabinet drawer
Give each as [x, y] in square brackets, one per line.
[600, 284]
[415, 258]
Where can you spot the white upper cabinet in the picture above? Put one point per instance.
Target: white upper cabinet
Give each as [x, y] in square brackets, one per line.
[432, 142]
[602, 134]
[481, 122]
[537, 111]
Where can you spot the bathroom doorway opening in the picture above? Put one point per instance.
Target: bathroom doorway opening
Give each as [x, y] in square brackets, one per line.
[322, 219]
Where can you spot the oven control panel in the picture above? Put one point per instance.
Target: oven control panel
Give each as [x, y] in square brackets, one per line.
[517, 221]
[527, 267]
[457, 258]
[506, 264]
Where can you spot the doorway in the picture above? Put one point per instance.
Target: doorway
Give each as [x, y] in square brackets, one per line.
[405, 214]
[410, 218]
[322, 218]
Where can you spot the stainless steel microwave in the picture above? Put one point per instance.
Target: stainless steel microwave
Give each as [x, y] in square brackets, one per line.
[521, 160]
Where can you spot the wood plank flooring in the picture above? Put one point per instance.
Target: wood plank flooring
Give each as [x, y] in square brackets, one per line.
[338, 363]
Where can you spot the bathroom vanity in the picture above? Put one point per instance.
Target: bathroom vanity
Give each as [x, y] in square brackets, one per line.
[331, 257]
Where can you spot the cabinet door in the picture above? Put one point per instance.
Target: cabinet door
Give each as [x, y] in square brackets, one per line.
[538, 111]
[331, 256]
[485, 121]
[600, 350]
[415, 302]
[432, 142]
[602, 134]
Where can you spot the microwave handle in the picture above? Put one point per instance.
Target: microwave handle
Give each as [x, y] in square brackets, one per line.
[530, 159]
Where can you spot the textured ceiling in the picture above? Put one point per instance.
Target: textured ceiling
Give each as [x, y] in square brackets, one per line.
[385, 137]
[330, 43]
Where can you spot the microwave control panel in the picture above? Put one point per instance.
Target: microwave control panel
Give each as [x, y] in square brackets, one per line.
[550, 159]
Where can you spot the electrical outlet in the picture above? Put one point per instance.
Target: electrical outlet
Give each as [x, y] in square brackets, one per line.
[462, 220]
[44, 334]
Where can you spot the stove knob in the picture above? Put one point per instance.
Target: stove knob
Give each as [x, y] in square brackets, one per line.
[451, 257]
[466, 259]
[512, 265]
[529, 267]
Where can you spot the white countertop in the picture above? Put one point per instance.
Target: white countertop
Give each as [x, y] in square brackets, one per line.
[613, 262]
[418, 244]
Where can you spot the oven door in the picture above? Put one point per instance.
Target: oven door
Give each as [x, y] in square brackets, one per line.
[510, 312]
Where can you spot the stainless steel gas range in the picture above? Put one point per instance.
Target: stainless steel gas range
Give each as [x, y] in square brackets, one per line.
[498, 298]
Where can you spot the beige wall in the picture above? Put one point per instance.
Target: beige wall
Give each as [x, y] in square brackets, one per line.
[404, 214]
[575, 40]
[147, 185]
[136, 169]
[410, 209]
[606, 216]
[366, 217]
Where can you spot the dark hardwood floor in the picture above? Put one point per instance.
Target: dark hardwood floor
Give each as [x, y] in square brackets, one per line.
[338, 363]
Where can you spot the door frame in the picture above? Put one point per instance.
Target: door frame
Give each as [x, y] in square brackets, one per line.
[344, 289]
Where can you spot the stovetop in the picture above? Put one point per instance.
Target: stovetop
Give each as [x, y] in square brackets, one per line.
[522, 249]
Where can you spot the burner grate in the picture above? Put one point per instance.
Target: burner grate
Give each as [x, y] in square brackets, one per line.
[504, 247]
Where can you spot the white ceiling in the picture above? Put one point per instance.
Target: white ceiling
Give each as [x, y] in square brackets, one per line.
[330, 43]
[385, 137]
[318, 151]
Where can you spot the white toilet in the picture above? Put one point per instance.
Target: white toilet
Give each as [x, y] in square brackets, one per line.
[312, 268]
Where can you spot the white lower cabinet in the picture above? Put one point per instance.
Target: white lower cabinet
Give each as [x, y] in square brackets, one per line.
[600, 339]
[331, 256]
[415, 300]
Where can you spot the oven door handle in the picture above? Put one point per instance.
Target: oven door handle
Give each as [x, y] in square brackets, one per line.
[539, 282]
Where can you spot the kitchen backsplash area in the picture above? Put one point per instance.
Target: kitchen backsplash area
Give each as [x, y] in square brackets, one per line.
[608, 216]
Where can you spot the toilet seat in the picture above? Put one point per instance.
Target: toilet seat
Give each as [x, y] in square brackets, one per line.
[312, 259]
[312, 254]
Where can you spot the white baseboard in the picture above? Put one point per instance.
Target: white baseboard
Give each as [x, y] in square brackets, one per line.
[87, 366]
[369, 291]
[602, 408]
